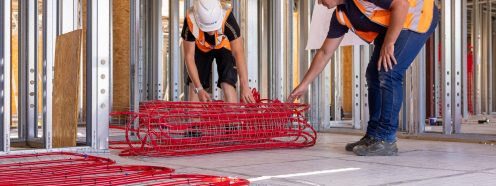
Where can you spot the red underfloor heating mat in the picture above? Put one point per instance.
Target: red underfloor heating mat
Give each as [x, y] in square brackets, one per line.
[71, 169]
[186, 128]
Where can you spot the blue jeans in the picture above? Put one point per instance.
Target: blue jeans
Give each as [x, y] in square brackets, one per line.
[386, 88]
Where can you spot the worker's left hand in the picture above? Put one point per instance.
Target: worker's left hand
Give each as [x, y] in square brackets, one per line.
[386, 59]
[246, 95]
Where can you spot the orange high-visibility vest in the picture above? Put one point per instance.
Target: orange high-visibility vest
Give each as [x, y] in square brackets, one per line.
[418, 19]
[221, 40]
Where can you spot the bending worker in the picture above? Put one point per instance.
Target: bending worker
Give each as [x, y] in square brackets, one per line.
[398, 29]
[211, 32]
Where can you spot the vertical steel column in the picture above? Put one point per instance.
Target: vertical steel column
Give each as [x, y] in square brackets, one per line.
[184, 72]
[216, 92]
[490, 61]
[476, 26]
[289, 47]
[407, 106]
[305, 57]
[135, 56]
[457, 52]
[99, 52]
[142, 50]
[28, 70]
[315, 106]
[337, 84]
[446, 32]
[483, 64]
[5, 75]
[236, 5]
[465, 98]
[364, 61]
[320, 93]
[316, 89]
[494, 66]
[414, 90]
[493, 52]
[429, 64]
[278, 48]
[251, 41]
[263, 47]
[421, 94]
[174, 50]
[49, 38]
[68, 17]
[146, 50]
[134, 49]
[437, 74]
[324, 101]
[356, 111]
[155, 62]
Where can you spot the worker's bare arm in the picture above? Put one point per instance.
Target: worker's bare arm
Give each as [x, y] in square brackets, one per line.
[189, 58]
[239, 54]
[319, 62]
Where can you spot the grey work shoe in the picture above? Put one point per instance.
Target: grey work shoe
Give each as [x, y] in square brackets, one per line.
[364, 141]
[377, 148]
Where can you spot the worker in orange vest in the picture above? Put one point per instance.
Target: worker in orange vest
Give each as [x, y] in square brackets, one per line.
[398, 29]
[211, 32]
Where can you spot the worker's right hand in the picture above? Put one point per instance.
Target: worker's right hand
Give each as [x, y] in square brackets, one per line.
[204, 96]
[297, 93]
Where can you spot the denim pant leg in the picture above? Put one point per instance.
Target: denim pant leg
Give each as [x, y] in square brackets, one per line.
[374, 90]
[386, 88]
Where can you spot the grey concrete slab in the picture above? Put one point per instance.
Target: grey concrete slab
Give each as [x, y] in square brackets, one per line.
[475, 179]
[365, 174]
[454, 147]
[189, 170]
[231, 159]
[283, 168]
[280, 183]
[329, 151]
[419, 163]
[434, 160]
[493, 171]
[373, 176]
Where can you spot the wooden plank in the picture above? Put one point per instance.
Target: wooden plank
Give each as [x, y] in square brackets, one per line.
[40, 79]
[14, 83]
[347, 73]
[121, 17]
[66, 89]
[85, 27]
[14, 58]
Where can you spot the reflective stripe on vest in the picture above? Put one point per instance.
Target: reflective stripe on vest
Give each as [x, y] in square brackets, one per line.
[366, 36]
[418, 19]
[221, 40]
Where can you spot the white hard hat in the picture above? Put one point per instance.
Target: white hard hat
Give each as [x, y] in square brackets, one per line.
[208, 14]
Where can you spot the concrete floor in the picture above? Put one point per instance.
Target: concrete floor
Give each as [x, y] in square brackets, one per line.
[327, 163]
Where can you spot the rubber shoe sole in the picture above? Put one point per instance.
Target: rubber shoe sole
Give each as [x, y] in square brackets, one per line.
[376, 150]
[349, 147]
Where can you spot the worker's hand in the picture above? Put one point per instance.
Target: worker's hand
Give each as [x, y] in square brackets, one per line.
[204, 96]
[297, 93]
[387, 59]
[246, 95]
